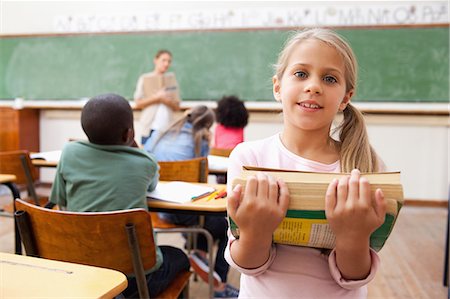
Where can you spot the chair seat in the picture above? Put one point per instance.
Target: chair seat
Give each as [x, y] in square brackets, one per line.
[158, 222]
[176, 286]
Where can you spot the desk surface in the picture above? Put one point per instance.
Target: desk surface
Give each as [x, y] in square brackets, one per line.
[44, 163]
[24, 276]
[202, 205]
[7, 178]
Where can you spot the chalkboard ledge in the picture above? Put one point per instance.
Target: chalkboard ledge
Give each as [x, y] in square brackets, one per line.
[368, 108]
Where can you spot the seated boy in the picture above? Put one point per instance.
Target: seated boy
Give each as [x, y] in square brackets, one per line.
[110, 173]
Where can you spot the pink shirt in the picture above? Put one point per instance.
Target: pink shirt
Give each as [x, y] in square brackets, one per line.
[291, 271]
[225, 137]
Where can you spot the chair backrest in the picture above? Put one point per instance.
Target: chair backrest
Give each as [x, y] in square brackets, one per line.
[18, 163]
[94, 238]
[193, 170]
[223, 152]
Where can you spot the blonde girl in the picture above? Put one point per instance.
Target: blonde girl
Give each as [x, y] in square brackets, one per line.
[315, 79]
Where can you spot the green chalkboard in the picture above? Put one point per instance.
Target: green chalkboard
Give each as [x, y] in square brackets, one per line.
[402, 65]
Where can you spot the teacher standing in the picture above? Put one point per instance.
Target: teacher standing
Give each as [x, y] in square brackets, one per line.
[157, 94]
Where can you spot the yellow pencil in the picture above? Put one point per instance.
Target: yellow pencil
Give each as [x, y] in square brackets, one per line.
[212, 195]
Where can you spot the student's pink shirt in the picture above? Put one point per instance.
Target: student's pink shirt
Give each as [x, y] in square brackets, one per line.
[291, 271]
[225, 137]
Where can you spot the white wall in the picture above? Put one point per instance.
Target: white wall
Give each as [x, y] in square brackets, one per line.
[25, 17]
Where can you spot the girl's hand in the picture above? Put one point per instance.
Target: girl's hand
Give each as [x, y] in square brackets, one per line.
[351, 212]
[261, 208]
[257, 212]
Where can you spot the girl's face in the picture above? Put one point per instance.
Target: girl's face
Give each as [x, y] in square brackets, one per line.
[162, 63]
[313, 87]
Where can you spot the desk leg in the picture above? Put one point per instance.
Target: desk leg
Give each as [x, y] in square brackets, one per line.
[16, 194]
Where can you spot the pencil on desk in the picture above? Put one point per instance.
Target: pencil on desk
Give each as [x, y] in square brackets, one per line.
[212, 195]
[221, 194]
[201, 195]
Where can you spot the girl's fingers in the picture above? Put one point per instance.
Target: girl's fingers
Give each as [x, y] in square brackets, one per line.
[233, 200]
[364, 192]
[251, 187]
[272, 189]
[342, 191]
[330, 196]
[381, 205]
[263, 185]
[353, 185]
[283, 198]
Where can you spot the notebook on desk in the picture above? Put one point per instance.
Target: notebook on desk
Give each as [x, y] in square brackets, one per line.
[180, 192]
[47, 156]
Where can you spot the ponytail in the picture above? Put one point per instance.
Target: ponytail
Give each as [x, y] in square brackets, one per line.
[201, 118]
[356, 151]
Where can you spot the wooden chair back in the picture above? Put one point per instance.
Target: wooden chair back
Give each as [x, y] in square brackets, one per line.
[223, 152]
[19, 163]
[193, 170]
[16, 162]
[95, 238]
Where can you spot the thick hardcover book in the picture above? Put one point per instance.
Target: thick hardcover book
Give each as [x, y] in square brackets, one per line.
[305, 223]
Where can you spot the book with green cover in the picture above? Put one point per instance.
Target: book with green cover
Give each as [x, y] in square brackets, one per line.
[305, 223]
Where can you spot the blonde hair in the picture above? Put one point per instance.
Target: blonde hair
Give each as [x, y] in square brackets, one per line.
[201, 118]
[355, 150]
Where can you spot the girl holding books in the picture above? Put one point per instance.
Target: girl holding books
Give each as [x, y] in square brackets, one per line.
[315, 79]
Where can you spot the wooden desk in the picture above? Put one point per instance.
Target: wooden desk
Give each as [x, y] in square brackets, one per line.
[8, 181]
[44, 163]
[7, 178]
[26, 277]
[201, 206]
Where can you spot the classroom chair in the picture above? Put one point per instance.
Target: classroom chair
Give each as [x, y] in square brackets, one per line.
[223, 152]
[19, 163]
[119, 240]
[194, 171]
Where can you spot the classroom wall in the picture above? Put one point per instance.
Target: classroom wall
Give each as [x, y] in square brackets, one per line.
[31, 17]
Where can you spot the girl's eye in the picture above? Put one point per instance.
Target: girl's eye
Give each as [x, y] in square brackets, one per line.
[300, 74]
[330, 79]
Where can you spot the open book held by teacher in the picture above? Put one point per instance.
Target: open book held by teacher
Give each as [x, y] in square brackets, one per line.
[305, 223]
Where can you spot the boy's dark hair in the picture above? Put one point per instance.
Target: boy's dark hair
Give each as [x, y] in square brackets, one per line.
[231, 112]
[106, 118]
